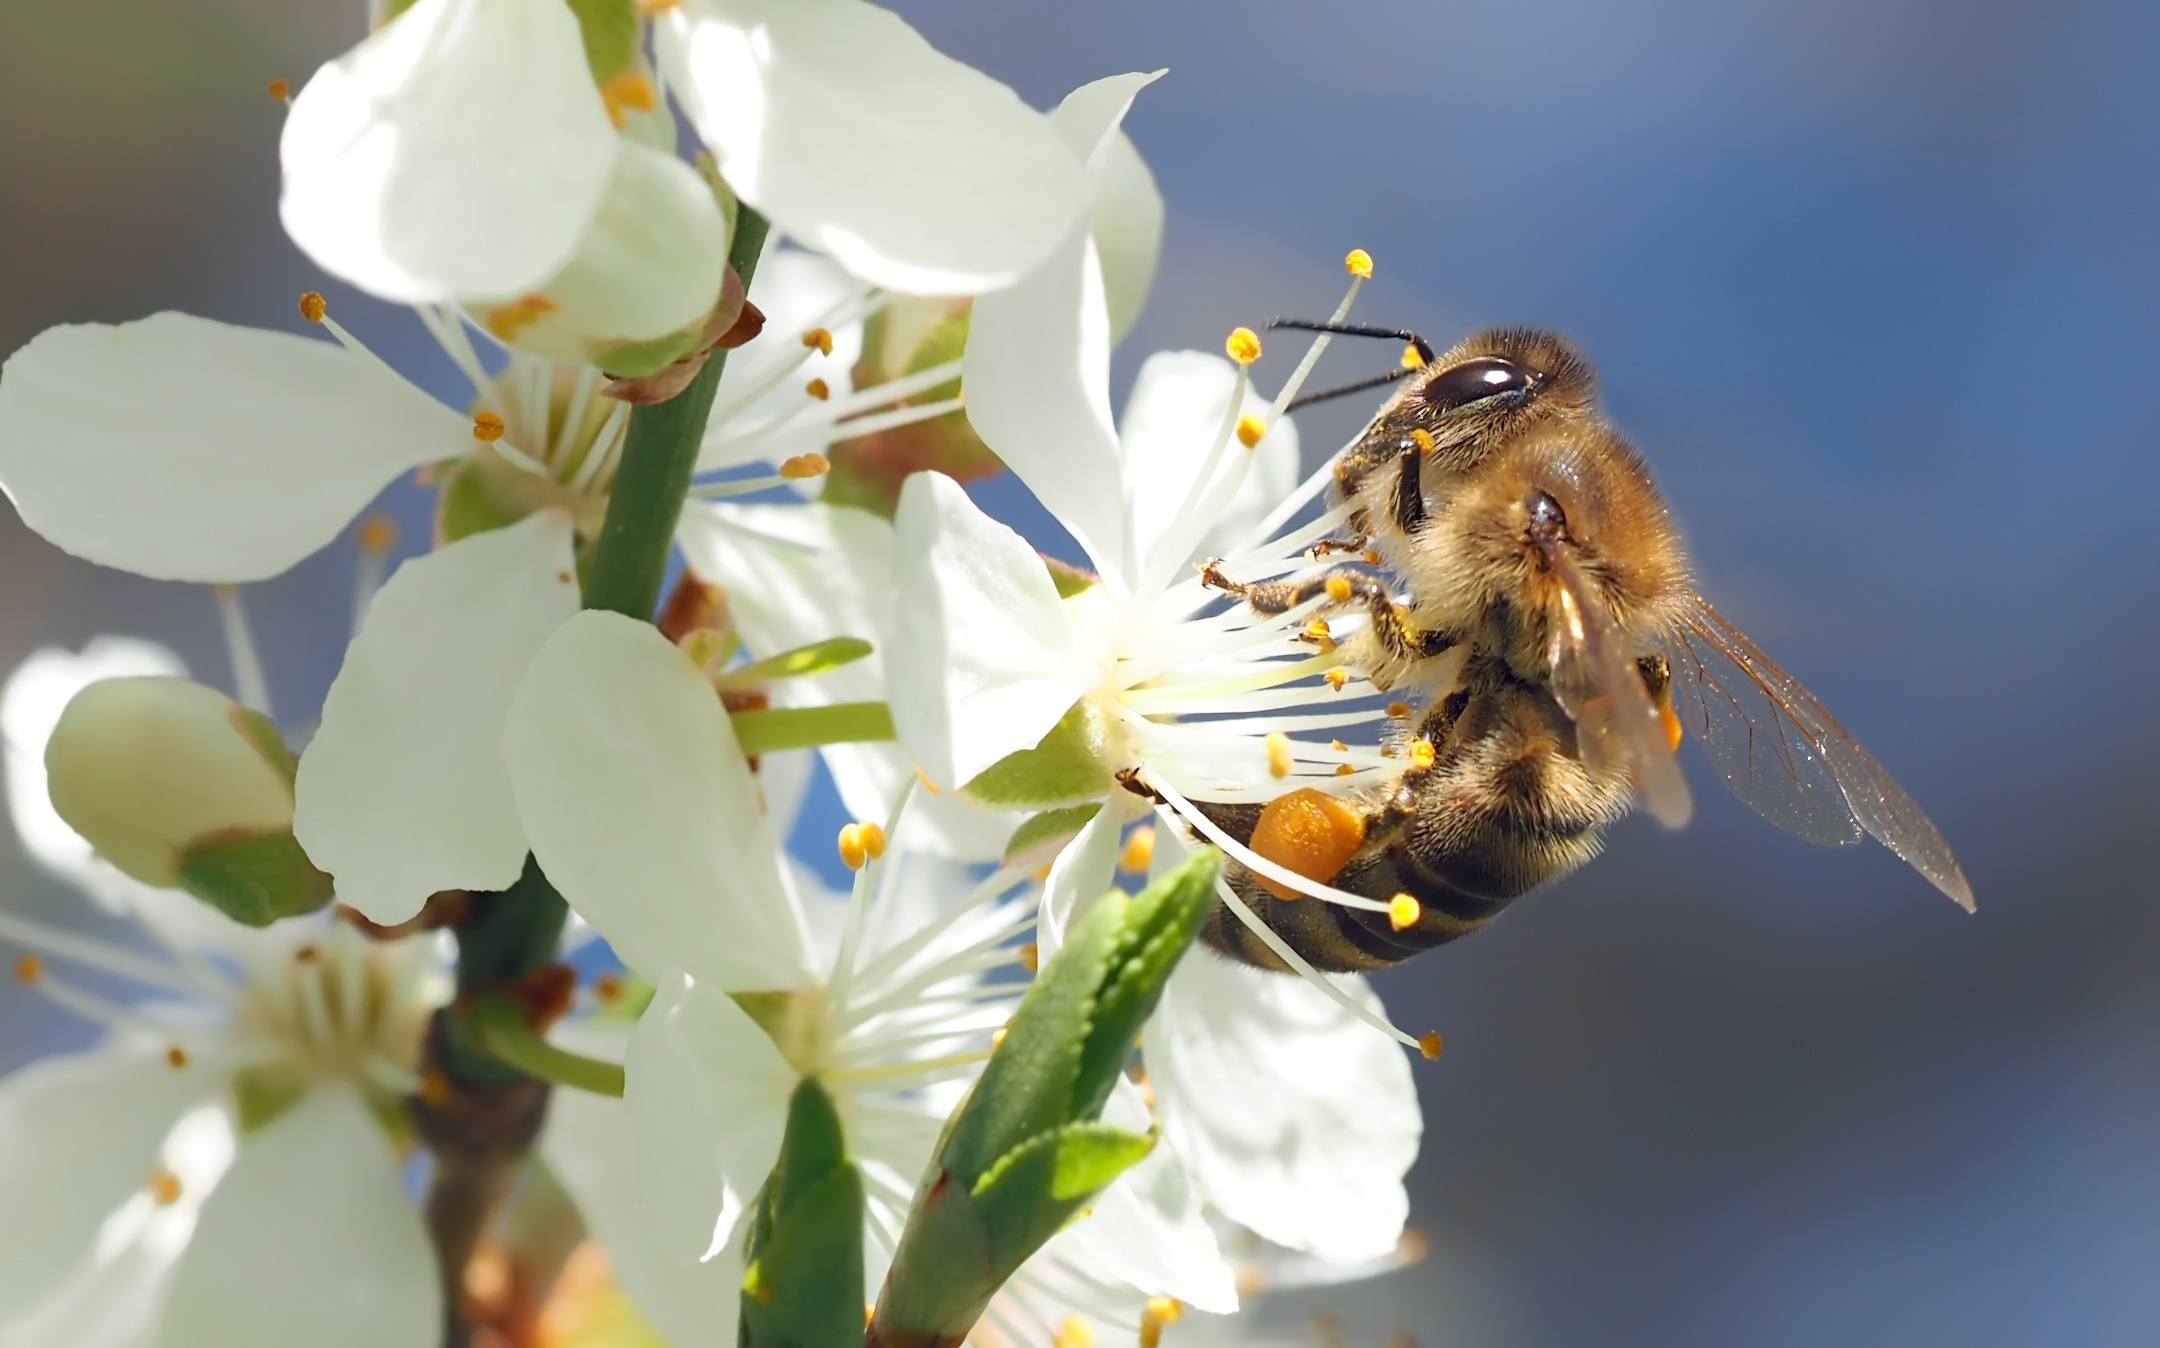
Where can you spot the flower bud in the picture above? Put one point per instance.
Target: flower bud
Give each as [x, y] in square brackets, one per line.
[639, 291]
[181, 787]
[908, 335]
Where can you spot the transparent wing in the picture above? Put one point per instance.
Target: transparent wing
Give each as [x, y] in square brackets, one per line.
[1600, 688]
[1784, 754]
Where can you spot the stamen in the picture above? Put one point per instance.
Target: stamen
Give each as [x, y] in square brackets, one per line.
[86, 951]
[1337, 677]
[1158, 1312]
[487, 428]
[1074, 1333]
[928, 785]
[1359, 264]
[1398, 710]
[608, 989]
[818, 389]
[628, 92]
[819, 339]
[1429, 1044]
[1138, 852]
[378, 535]
[507, 321]
[313, 307]
[1279, 761]
[806, 466]
[1251, 860]
[852, 852]
[1030, 956]
[164, 1187]
[1304, 969]
[1251, 429]
[866, 841]
[281, 90]
[1403, 911]
[248, 680]
[1243, 345]
[176, 1057]
[28, 968]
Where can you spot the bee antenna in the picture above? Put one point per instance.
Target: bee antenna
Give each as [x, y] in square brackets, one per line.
[1417, 343]
[1341, 390]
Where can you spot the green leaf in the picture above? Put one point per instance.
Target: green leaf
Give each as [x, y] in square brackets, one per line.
[1041, 837]
[1071, 763]
[803, 1284]
[1035, 1189]
[802, 662]
[1158, 928]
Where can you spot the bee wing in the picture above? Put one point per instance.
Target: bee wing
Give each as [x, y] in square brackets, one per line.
[1602, 691]
[1784, 754]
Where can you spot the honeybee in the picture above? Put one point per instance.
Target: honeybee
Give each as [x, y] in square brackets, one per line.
[1549, 620]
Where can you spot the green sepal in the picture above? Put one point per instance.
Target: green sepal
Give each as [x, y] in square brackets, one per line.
[803, 662]
[648, 355]
[1041, 837]
[262, 733]
[1071, 763]
[803, 1278]
[1069, 579]
[610, 29]
[254, 878]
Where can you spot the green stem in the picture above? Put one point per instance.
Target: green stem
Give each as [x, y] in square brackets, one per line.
[505, 937]
[658, 457]
[499, 1025]
[775, 728]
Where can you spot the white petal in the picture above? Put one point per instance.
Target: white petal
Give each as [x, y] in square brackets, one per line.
[796, 291]
[591, 1149]
[458, 153]
[403, 791]
[642, 811]
[649, 268]
[1172, 419]
[1083, 869]
[309, 1239]
[183, 449]
[852, 134]
[707, 1097]
[78, 1135]
[982, 655]
[799, 574]
[30, 706]
[1147, 1229]
[1128, 229]
[1295, 1118]
[1038, 360]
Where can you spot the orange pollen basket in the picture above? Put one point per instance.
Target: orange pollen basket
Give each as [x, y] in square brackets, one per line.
[1309, 833]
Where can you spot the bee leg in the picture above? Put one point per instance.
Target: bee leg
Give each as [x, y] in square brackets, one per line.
[1409, 504]
[1398, 633]
[1328, 546]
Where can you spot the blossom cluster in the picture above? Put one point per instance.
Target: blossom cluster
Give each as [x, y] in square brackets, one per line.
[573, 200]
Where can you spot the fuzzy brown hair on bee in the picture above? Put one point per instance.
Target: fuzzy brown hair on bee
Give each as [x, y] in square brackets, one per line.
[1539, 606]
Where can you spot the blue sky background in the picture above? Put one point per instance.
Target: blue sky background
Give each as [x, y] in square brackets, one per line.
[1873, 284]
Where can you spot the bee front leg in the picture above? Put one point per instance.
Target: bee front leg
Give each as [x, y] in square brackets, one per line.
[1397, 632]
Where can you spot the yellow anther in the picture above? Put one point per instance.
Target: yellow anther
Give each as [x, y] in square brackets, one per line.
[1074, 1333]
[1398, 710]
[1030, 956]
[1158, 1312]
[1042, 874]
[1429, 1044]
[819, 338]
[1403, 911]
[1338, 746]
[1372, 557]
[997, 1036]
[1278, 754]
[1243, 345]
[176, 1057]
[1359, 264]
[924, 778]
[1337, 677]
[1344, 769]
[1425, 443]
[487, 427]
[1411, 358]
[281, 90]
[852, 850]
[307, 954]
[313, 306]
[1138, 852]
[1421, 754]
[164, 1187]
[608, 989]
[873, 840]
[28, 968]
[434, 1089]
[1318, 629]
[628, 92]
[378, 534]
[519, 314]
[818, 389]
[1338, 589]
[806, 465]
[1251, 429]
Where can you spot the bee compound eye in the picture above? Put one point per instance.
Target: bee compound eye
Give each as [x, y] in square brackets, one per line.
[1473, 381]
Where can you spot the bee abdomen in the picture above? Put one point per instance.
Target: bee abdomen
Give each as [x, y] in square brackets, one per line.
[1337, 938]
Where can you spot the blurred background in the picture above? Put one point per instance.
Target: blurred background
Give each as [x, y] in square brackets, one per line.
[1872, 282]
